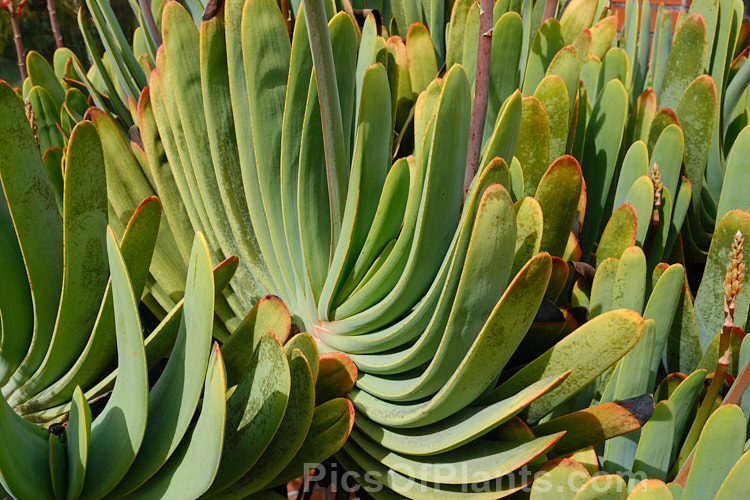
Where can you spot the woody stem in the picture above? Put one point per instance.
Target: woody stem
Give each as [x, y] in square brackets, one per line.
[19, 45]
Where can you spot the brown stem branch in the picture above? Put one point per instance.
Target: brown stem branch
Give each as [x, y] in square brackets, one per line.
[481, 93]
[148, 16]
[55, 25]
[549, 9]
[19, 45]
[681, 477]
[738, 386]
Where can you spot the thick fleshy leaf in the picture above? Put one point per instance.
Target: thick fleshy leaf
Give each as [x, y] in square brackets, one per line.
[77, 434]
[603, 487]
[371, 159]
[641, 198]
[579, 15]
[719, 447]
[732, 195]
[553, 95]
[492, 347]
[696, 110]
[423, 65]
[409, 487]
[590, 74]
[37, 222]
[683, 350]
[117, 432]
[254, 411]
[736, 484]
[598, 423]
[266, 55]
[622, 328]
[639, 120]
[664, 118]
[181, 41]
[567, 66]
[685, 62]
[558, 193]
[603, 136]
[586, 457]
[136, 247]
[46, 115]
[685, 400]
[654, 453]
[424, 320]
[651, 489]
[602, 287]
[386, 225]
[455, 37]
[314, 207]
[214, 84]
[307, 345]
[41, 74]
[602, 34]
[471, 40]
[291, 434]
[680, 207]
[507, 38]
[480, 460]
[619, 233]
[24, 457]
[505, 131]
[84, 258]
[16, 308]
[547, 42]
[480, 287]
[661, 307]
[458, 429]
[337, 375]
[629, 289]
[331, 424]
[533, 145]
[559, 479]
[127, 186]
[58, 464]
[174, 397]
[268, 315]
[668, 154]
[629, 379]
[615, 66]
[377, 304]
[192, 467]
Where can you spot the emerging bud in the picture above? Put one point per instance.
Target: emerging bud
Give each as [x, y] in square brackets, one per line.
[656, 179]
[12, 7]
[733, 281]
[32, 119]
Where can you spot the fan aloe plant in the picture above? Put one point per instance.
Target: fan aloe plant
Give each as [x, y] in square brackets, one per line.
[377, 258]
[345, 279]
[69, 310]
[332, 165]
